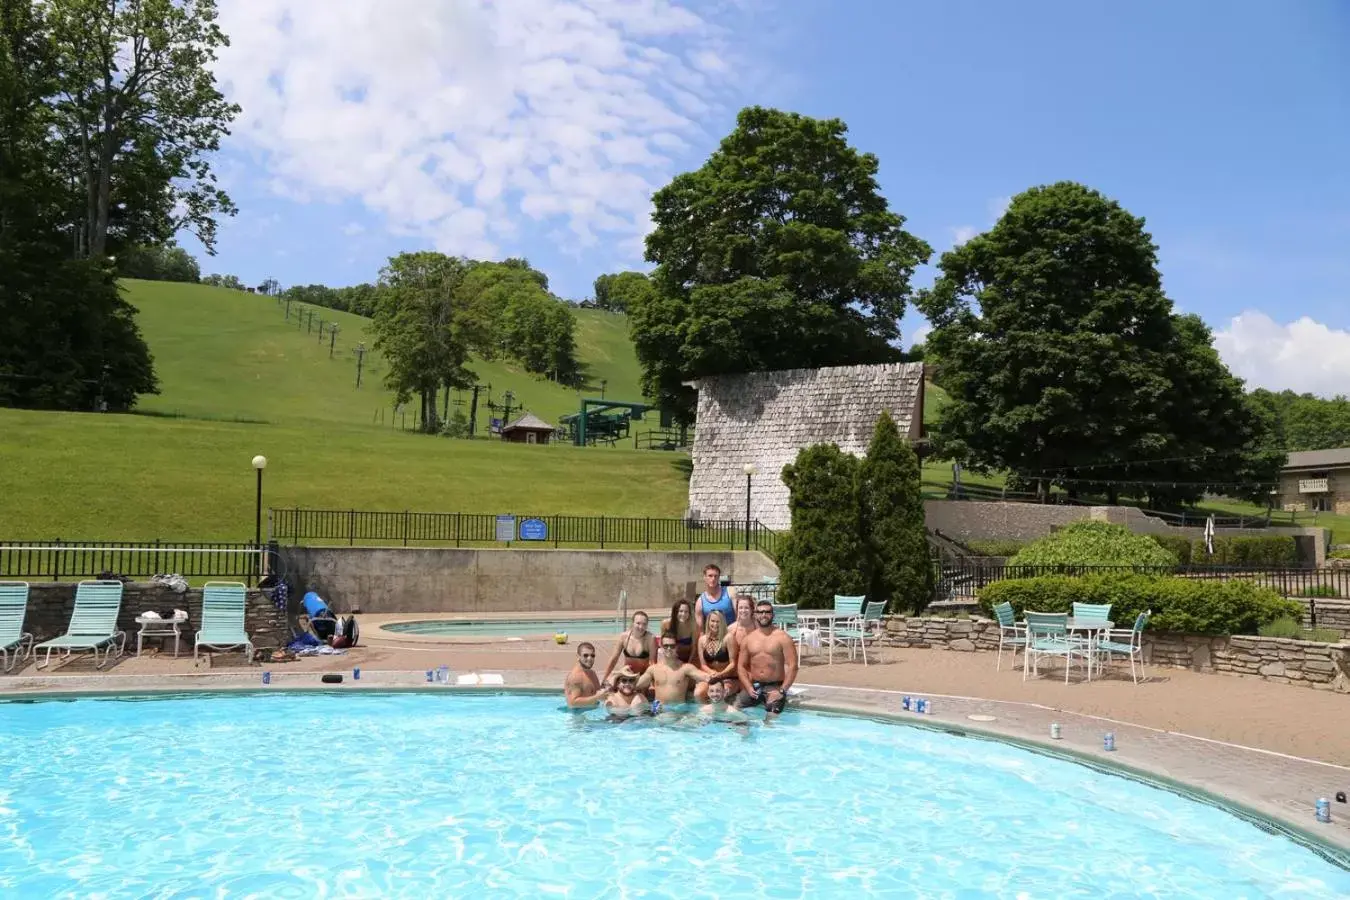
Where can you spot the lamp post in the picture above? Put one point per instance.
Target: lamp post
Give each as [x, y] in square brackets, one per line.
[259, 463]
[749, 474]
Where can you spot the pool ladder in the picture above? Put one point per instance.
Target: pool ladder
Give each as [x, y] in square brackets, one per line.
[622, 610]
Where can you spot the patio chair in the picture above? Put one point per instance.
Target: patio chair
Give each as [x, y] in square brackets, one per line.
[93, 624]
[1011, 633]
[223, 618]
[855, 631]
[1047, 635]
[1090, 614]
[1127, 642]
[13, 607]
[785, 617]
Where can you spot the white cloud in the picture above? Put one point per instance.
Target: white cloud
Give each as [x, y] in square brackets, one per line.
[995, 208]
[1303, 356]
[451, 117]
[920, 333]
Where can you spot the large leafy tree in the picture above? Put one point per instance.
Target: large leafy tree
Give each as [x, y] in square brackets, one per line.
[423, 328]
[621, 291]
[137, 115]
[1066, 363]
[779, 252]
[1304, 421]
[68, 340]
[891, 518]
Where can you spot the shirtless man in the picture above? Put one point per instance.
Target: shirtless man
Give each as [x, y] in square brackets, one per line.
[625, 701]
[766, 663]
[717, 709]
[671, 678]
[582, 686]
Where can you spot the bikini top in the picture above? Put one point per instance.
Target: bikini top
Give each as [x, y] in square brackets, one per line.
[643, 655]
[721, 656]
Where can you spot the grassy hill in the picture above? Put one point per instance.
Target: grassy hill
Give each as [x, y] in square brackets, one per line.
[230, 355]
[238, 380]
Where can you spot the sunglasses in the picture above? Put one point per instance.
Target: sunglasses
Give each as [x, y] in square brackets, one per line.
[667, 646]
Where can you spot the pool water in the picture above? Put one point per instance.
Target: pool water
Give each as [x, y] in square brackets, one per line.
[445, 795]
[508, 627]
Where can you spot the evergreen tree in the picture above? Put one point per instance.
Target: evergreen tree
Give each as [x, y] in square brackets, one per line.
[824, 554]
[892, 521]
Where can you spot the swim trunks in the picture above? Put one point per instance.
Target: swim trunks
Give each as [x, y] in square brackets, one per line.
[761, 696]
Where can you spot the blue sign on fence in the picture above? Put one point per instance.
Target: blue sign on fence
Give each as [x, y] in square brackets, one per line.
[533, 530]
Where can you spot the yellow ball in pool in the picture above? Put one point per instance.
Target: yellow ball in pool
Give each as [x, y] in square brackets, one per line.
[560, 637]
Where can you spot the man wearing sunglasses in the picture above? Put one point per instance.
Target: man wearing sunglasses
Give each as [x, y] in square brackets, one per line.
[582, 686]
[766, 663]
[671, 679]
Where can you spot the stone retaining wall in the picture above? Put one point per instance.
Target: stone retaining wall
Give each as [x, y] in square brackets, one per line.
[1284, 660]
[1330, 614]
[50, 606]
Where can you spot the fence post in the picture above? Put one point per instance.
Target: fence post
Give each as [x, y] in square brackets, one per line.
[457, 515]
[647, 531]
[56, 563]
[602, 532]
[557, 521]
[351, 527]
[405, 528]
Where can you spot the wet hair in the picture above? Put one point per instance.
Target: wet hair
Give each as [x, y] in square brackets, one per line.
[585, 645]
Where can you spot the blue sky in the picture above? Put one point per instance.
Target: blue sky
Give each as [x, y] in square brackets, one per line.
[539, 128]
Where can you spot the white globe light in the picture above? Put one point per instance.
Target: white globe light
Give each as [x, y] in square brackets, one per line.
[259, 462]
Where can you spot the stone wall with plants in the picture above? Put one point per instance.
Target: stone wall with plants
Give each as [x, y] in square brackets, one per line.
[1315, 664]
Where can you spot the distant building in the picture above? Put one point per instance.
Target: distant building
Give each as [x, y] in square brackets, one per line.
[528, 429]
[1316, 480]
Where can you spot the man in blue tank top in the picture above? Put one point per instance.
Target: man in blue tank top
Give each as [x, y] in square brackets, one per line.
[714, 597]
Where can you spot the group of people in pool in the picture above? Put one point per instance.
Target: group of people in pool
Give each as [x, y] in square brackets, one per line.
[721, 653]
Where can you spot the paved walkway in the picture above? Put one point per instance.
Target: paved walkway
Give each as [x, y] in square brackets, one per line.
[1272, 748]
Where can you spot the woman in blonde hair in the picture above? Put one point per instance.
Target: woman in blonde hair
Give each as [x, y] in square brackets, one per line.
[715, 653]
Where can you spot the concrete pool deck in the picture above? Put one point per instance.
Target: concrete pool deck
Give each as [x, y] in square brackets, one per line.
[1271, 748]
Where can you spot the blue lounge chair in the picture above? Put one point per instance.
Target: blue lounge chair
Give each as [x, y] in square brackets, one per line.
[93, 624]
[13, 607]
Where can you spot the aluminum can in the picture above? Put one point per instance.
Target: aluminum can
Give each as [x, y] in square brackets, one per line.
[267, 678]
[905, 703]
[1323, 810]
[1109, 741]
[1054, 730]
[356, 673]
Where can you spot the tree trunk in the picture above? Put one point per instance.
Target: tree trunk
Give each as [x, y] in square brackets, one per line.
[98, 239]
[1112, 495]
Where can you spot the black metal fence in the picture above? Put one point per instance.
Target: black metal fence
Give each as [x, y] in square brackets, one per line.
[964, 577]
[59, 559]
[407, 528]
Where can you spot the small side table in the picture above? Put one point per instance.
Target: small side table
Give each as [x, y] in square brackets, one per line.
[159, 628]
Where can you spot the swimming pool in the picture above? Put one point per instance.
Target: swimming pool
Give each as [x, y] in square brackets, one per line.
[447, 795]
[508, 627]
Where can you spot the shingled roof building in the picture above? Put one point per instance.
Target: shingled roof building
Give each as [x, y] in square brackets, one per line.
[1316, 480]
[764, 418]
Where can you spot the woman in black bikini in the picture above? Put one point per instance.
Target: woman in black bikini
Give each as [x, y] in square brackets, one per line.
[715, 654]
[637, 647]
[681, 624]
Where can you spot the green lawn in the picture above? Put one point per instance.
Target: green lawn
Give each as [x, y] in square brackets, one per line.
[225, 355]
[84, 476]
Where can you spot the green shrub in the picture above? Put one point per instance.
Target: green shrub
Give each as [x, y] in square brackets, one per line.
[1339, 554]
[823, 554]
[1181, 546]
[1094, 544]
[1288, 627]
[1318, 590]
[890, 516]
[1182, 605]
[1276, 550]
[998, 547]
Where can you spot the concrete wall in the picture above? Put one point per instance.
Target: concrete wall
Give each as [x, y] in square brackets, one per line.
[400, 580]
[974, 520]
[1284, 660]
[50, 605]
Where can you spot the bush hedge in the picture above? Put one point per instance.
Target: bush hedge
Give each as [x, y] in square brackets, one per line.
[1271, 550]
[1094, 544]
[1181, 546]
[1182, 605]
[996, 547]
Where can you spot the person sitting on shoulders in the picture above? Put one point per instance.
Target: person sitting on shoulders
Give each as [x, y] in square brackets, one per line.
[766, 663]
[582, 688]
[670, 678]
[715, 654]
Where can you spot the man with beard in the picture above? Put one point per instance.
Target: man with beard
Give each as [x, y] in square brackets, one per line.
[582, 686]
